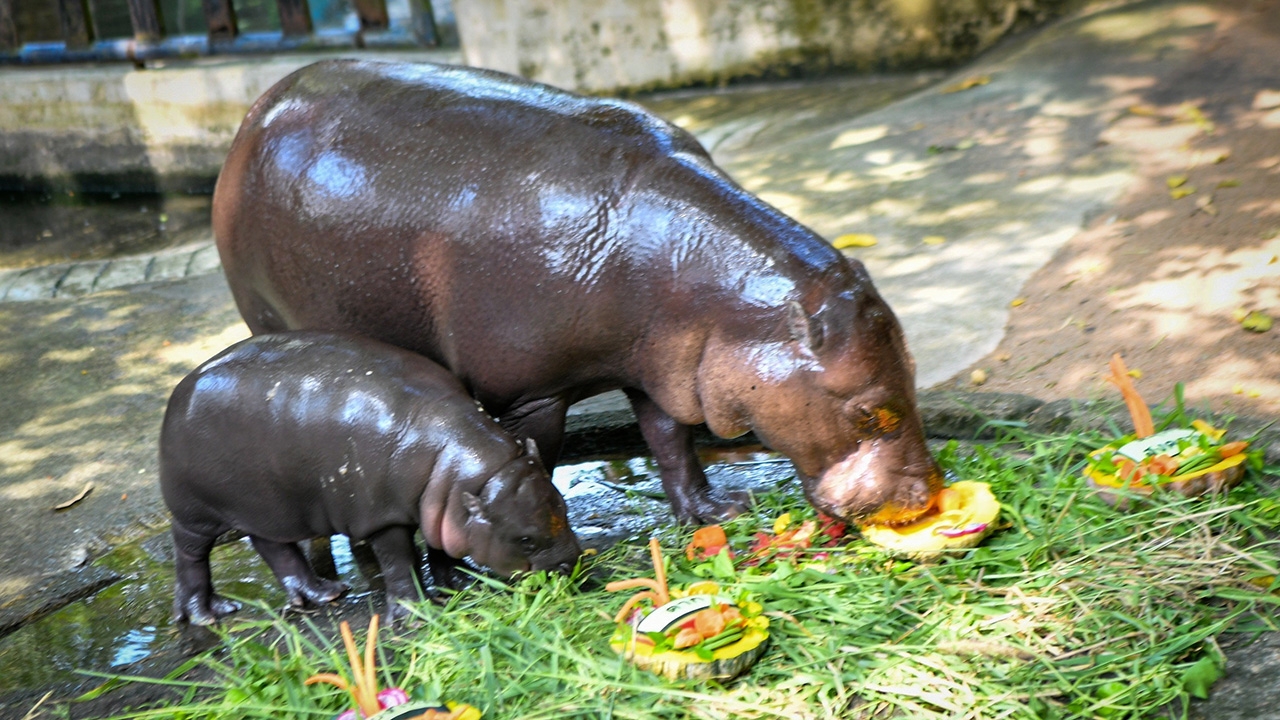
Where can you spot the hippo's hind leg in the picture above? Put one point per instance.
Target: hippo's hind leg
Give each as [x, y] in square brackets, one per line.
[691, 497]
[291, 568]
[398, 557]
[194, 600]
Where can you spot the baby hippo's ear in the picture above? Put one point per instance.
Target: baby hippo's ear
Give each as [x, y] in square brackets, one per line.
[476, 510]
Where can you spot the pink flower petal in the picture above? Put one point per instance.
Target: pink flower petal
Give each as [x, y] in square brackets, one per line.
[969, 529]
[392, 697]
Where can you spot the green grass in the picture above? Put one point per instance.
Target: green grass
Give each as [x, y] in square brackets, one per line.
[1072, 609]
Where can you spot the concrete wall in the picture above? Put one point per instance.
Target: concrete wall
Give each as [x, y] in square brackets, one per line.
[117, 127]
[611, 45]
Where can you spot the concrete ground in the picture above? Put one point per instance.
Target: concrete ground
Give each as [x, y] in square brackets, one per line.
[968, 182]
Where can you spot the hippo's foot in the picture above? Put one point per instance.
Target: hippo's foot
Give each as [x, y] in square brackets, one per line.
[709, 507]
[204, 611]
[313, 590]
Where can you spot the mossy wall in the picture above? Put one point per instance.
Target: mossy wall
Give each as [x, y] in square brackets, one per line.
[625, 45]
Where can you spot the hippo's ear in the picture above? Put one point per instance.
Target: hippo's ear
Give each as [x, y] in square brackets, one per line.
[805, 328]
[475, 509]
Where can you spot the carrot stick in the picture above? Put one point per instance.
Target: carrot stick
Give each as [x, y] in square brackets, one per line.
[335, 680]
[631, 602]
[1138, 410]
[634, 582]
[370, 679]
[659, 570]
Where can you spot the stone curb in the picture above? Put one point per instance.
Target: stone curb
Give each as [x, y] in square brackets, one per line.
[77, 279]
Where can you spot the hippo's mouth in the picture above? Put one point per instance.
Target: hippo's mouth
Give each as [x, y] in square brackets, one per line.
[858, 495]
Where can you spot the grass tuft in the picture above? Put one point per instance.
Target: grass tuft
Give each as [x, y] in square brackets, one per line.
[1071, 609]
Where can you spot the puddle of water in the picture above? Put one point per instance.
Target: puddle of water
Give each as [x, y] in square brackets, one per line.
[126, 628]
[46, 228]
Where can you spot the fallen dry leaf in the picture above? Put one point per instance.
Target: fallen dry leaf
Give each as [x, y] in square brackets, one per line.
[1222, 157]
[1174, 181]
[1180, 192]
[849, 240]
[1003, 357]
[88, 488]
[1228, 183]
[1135, 373]
[978, 377]
[1205, 204]
[1016, 302]
[1190, 113]
[933, 240]
[967, 83]
[1256, 321]
[1143, 111]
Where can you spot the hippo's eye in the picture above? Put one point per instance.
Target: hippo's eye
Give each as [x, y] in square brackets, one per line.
[527, 543]
[882, 420]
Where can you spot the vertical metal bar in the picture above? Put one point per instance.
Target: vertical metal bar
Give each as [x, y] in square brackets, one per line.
[220, 17]
[373, 14]
[295, 17]
[8, 28]
[145, 15]
[77, 31]
[423, 21]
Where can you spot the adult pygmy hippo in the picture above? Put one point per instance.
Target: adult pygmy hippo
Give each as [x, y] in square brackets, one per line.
[301, 435]
[545, 247]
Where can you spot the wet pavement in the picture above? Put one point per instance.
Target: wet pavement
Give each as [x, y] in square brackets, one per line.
[966, 191]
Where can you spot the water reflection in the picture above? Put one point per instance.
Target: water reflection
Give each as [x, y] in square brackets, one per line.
[45, 228]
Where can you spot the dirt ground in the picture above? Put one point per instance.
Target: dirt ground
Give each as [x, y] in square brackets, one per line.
[1160, 278]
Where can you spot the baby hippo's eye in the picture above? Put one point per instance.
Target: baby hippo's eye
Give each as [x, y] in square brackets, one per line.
[528, 544]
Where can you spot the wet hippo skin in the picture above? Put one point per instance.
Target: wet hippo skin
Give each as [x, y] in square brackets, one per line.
[293, 436]
[546, 247]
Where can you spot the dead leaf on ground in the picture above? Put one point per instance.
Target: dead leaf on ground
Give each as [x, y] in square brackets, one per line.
[1228, 183]
[849, 240]
[88, 488]
[1222, 157]
[1256, 321]
[1016, 302]
[1205, 205]
[1143, 111]
[1180, 192]
[978, 377]
[967, 83]
[1192, 114]
[1174, 181]
[933, 240]
[1003, 357]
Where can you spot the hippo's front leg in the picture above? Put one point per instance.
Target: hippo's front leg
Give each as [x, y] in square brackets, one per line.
[691, 496]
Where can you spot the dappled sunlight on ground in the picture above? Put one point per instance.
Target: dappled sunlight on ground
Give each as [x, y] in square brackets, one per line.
[86, 385]
[1194, 245]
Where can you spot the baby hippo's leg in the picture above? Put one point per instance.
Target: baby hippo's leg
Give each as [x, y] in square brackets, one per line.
[194, 600]
[294, 572]
[446, 571]
[398, 558]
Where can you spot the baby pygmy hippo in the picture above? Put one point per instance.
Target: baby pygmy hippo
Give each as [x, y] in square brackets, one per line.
[300, 435]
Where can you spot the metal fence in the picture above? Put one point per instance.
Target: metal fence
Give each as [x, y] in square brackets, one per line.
[90, 30]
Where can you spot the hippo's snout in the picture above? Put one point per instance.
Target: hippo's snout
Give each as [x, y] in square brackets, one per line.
[877, 485]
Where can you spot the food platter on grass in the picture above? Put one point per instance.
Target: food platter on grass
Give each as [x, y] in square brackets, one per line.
[695, 633]
[1190, 461]
[963, 515]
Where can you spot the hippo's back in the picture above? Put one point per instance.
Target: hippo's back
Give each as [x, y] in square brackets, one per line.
[451, 211]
